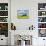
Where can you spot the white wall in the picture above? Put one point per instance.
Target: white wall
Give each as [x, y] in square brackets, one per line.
[32, 5]
[20, 4]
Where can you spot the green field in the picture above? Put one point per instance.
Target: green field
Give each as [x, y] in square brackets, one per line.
[23, 17]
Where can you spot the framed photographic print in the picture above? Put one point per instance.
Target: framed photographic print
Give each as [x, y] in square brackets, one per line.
[22, 14]
[4, 29]
[42, 32]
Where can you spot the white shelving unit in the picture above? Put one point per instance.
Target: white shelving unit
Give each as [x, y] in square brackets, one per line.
[42, 18]
[4, 15]
[4, 23]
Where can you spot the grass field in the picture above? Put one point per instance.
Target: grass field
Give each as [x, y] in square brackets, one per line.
[23, 17]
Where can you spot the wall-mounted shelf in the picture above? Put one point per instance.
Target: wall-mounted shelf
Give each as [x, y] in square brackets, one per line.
[41, 22]
[41, 10]
[3, 16]
[42, 16]
[3, 10]
[41, 28]
[3, 22]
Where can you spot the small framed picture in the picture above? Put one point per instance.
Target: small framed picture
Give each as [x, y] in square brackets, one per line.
[42, 33]
[22, 14]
